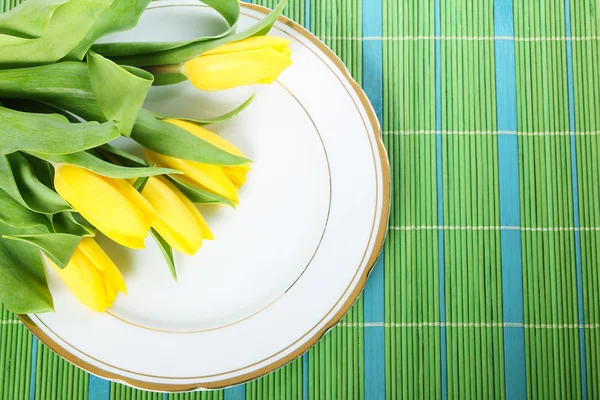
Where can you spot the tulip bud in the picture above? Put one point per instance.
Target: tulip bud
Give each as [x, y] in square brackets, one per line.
[221, 180]
[92, 276]
[258, 59]
[113, 206]
[179, 221]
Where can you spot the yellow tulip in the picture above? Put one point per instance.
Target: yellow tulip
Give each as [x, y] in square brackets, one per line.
[258, 59]
[222, 180]
[92, 276]
[179, 221]
[113, 206]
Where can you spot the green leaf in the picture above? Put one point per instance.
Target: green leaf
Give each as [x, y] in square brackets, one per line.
[120, 16]
[66, 28]
[140, 183]
[59, 247]
[108, 81]
[229, 10]
[66, 85]
[23, 285]
[50, 133]
[123, 157]
[88, 161]
[32, 106]
[166, 251]
[18, 179]
[47, 82]
[29, 19]
[128, 160]
[72, 223]
[102, 90]
[184, 52]
[220, 118]
[168, 78]
[199, 196]
[14, 214]
[171, 140]
[36, 229]
[43, 170]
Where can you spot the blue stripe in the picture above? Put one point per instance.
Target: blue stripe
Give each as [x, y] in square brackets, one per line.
[508, 176]
[33, 373]
[236, 392]
[305, 362]
[98, 389]
[572, 128]
[374, 346]
[440, 196]
[307, 14]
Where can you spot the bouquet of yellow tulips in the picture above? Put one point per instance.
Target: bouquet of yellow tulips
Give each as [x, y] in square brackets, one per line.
[64, 99]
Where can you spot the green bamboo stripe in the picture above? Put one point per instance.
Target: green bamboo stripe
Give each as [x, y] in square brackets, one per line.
[334, 21]
[470, 189]
[122, 392]
[411, 257]
[294, 10]
[56, 378]
[412, 295]
[215, 395]
[586, 79]
[285, 383]
[549, 269]
[336, 367]
[15, 356]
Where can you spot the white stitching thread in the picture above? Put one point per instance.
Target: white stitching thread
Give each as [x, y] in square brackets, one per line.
[465, 325]
[485, 133]
[493, 228]
[9, 321]
[465, 38]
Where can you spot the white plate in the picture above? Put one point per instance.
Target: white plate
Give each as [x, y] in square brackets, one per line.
[284, 267]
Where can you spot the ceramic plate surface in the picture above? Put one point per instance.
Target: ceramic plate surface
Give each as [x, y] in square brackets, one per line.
[284, 267]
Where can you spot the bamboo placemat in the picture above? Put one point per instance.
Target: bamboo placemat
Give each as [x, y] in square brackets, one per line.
[489, 283]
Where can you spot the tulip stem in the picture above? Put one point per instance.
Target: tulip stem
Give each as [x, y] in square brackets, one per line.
[164, 69]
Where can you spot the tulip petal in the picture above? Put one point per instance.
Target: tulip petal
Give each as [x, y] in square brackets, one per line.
[206, 176]
[84, 281]
[102, 262]
[130, 242]
[206, 232]
[94, 253]
[180, 243]
[106, 203]
[177, 223]
[111, 290]
[236, 175]
[228, 70]
[251, 43]
[128, 191]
